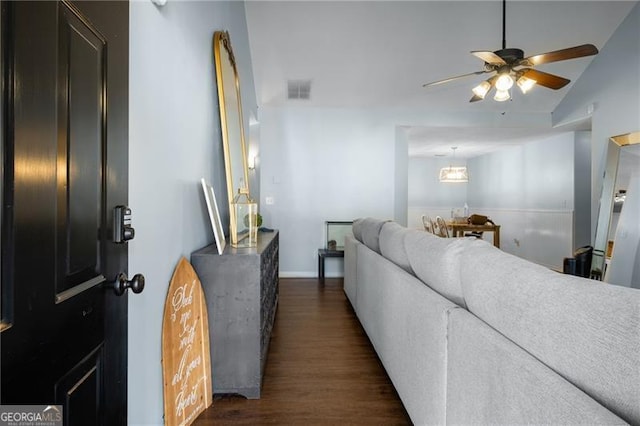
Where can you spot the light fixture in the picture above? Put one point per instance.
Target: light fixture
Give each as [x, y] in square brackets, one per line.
[525, 84]
[502, 95]
[482, 89]
[251, 162]
[504, 82]
[453, 174]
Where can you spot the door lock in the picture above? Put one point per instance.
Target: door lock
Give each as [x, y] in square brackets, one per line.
[122, 229]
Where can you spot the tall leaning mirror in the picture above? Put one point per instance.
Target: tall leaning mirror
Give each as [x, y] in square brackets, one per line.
[231, 123]
[618, 205]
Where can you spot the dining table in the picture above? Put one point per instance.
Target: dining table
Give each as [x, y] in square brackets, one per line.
[459, 228]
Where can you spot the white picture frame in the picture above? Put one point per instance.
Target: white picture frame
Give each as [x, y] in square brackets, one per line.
[214, 215]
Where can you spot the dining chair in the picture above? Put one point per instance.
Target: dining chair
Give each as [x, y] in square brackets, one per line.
[443, 231]
[427, 223]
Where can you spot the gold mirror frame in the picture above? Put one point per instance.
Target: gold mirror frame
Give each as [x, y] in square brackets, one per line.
[231, 121]
[605, 207]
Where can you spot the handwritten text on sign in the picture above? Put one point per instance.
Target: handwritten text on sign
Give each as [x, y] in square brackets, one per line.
[185, 348]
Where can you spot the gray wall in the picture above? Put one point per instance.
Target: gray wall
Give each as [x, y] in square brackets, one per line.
[536, 175]
[425, 188]
[320, 165]
[174, 140]
[582, 190]
[611, 84]
[401, 178]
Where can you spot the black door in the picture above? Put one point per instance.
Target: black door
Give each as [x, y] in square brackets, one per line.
[65, 147]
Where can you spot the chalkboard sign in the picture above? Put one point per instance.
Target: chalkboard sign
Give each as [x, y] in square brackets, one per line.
[186, 362]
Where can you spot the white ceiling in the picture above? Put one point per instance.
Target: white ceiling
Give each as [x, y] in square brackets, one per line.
[380, 53]
[470, 142]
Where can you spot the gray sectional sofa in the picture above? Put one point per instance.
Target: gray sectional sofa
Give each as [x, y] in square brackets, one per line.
[472, 335]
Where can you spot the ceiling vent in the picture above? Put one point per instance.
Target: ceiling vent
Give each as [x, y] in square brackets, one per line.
[299, 89]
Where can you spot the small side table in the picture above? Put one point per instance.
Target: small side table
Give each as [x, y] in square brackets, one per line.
[322, 255]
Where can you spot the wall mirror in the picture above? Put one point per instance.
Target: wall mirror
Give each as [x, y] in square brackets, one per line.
[231, 121]
[621, 161]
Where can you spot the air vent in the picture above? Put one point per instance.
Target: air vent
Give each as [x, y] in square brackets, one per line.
[299, 89]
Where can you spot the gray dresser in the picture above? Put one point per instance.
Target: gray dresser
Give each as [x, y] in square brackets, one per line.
[241, 289]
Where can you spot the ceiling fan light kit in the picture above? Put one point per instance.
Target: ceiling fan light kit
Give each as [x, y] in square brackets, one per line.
[504, 82]
[505, 64]
[501, 95]
[525, 84]
[482, 89]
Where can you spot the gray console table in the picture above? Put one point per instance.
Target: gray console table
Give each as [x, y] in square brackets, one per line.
[241, 289]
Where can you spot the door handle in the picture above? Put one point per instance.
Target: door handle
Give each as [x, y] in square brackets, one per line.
[122, 283]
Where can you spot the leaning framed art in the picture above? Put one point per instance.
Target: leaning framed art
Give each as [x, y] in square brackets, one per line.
[214, 215]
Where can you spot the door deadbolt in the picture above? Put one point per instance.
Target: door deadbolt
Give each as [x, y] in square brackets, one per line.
[122, 229]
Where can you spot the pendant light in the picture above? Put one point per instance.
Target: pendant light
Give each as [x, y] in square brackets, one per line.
[453, 174]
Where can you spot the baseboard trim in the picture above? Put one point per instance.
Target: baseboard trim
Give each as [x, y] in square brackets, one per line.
[306, 274]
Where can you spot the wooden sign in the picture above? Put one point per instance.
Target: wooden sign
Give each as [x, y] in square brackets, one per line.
[186, 363]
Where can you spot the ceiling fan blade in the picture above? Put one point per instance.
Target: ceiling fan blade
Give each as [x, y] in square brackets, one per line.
[446, 80]
[560, 55]
[545, 79]
[489, 57]
[476, 98]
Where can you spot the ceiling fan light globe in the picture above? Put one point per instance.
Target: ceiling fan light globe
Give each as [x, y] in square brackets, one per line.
[525, 84]
[502, 95]
[504, 82]
[481, 89]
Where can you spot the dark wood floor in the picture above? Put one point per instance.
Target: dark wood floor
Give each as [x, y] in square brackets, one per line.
[321, 367]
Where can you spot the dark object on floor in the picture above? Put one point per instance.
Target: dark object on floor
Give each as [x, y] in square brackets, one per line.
[580, 263]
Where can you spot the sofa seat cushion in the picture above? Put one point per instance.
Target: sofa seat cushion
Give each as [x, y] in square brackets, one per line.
[436, 261]
[587, 331]
[392, 244]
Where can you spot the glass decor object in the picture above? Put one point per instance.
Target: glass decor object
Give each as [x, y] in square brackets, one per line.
[335, 233]
[244, 220]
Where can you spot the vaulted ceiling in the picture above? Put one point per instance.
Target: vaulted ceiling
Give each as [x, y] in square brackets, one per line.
[379, 53]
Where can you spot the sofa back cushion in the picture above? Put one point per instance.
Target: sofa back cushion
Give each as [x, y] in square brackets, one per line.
[367, 231]
[436, 261]
[587, 331]
[392, 244]
[357, 228]
[491, 381]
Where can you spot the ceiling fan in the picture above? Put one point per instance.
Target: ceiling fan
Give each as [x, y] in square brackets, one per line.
[510, 65]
